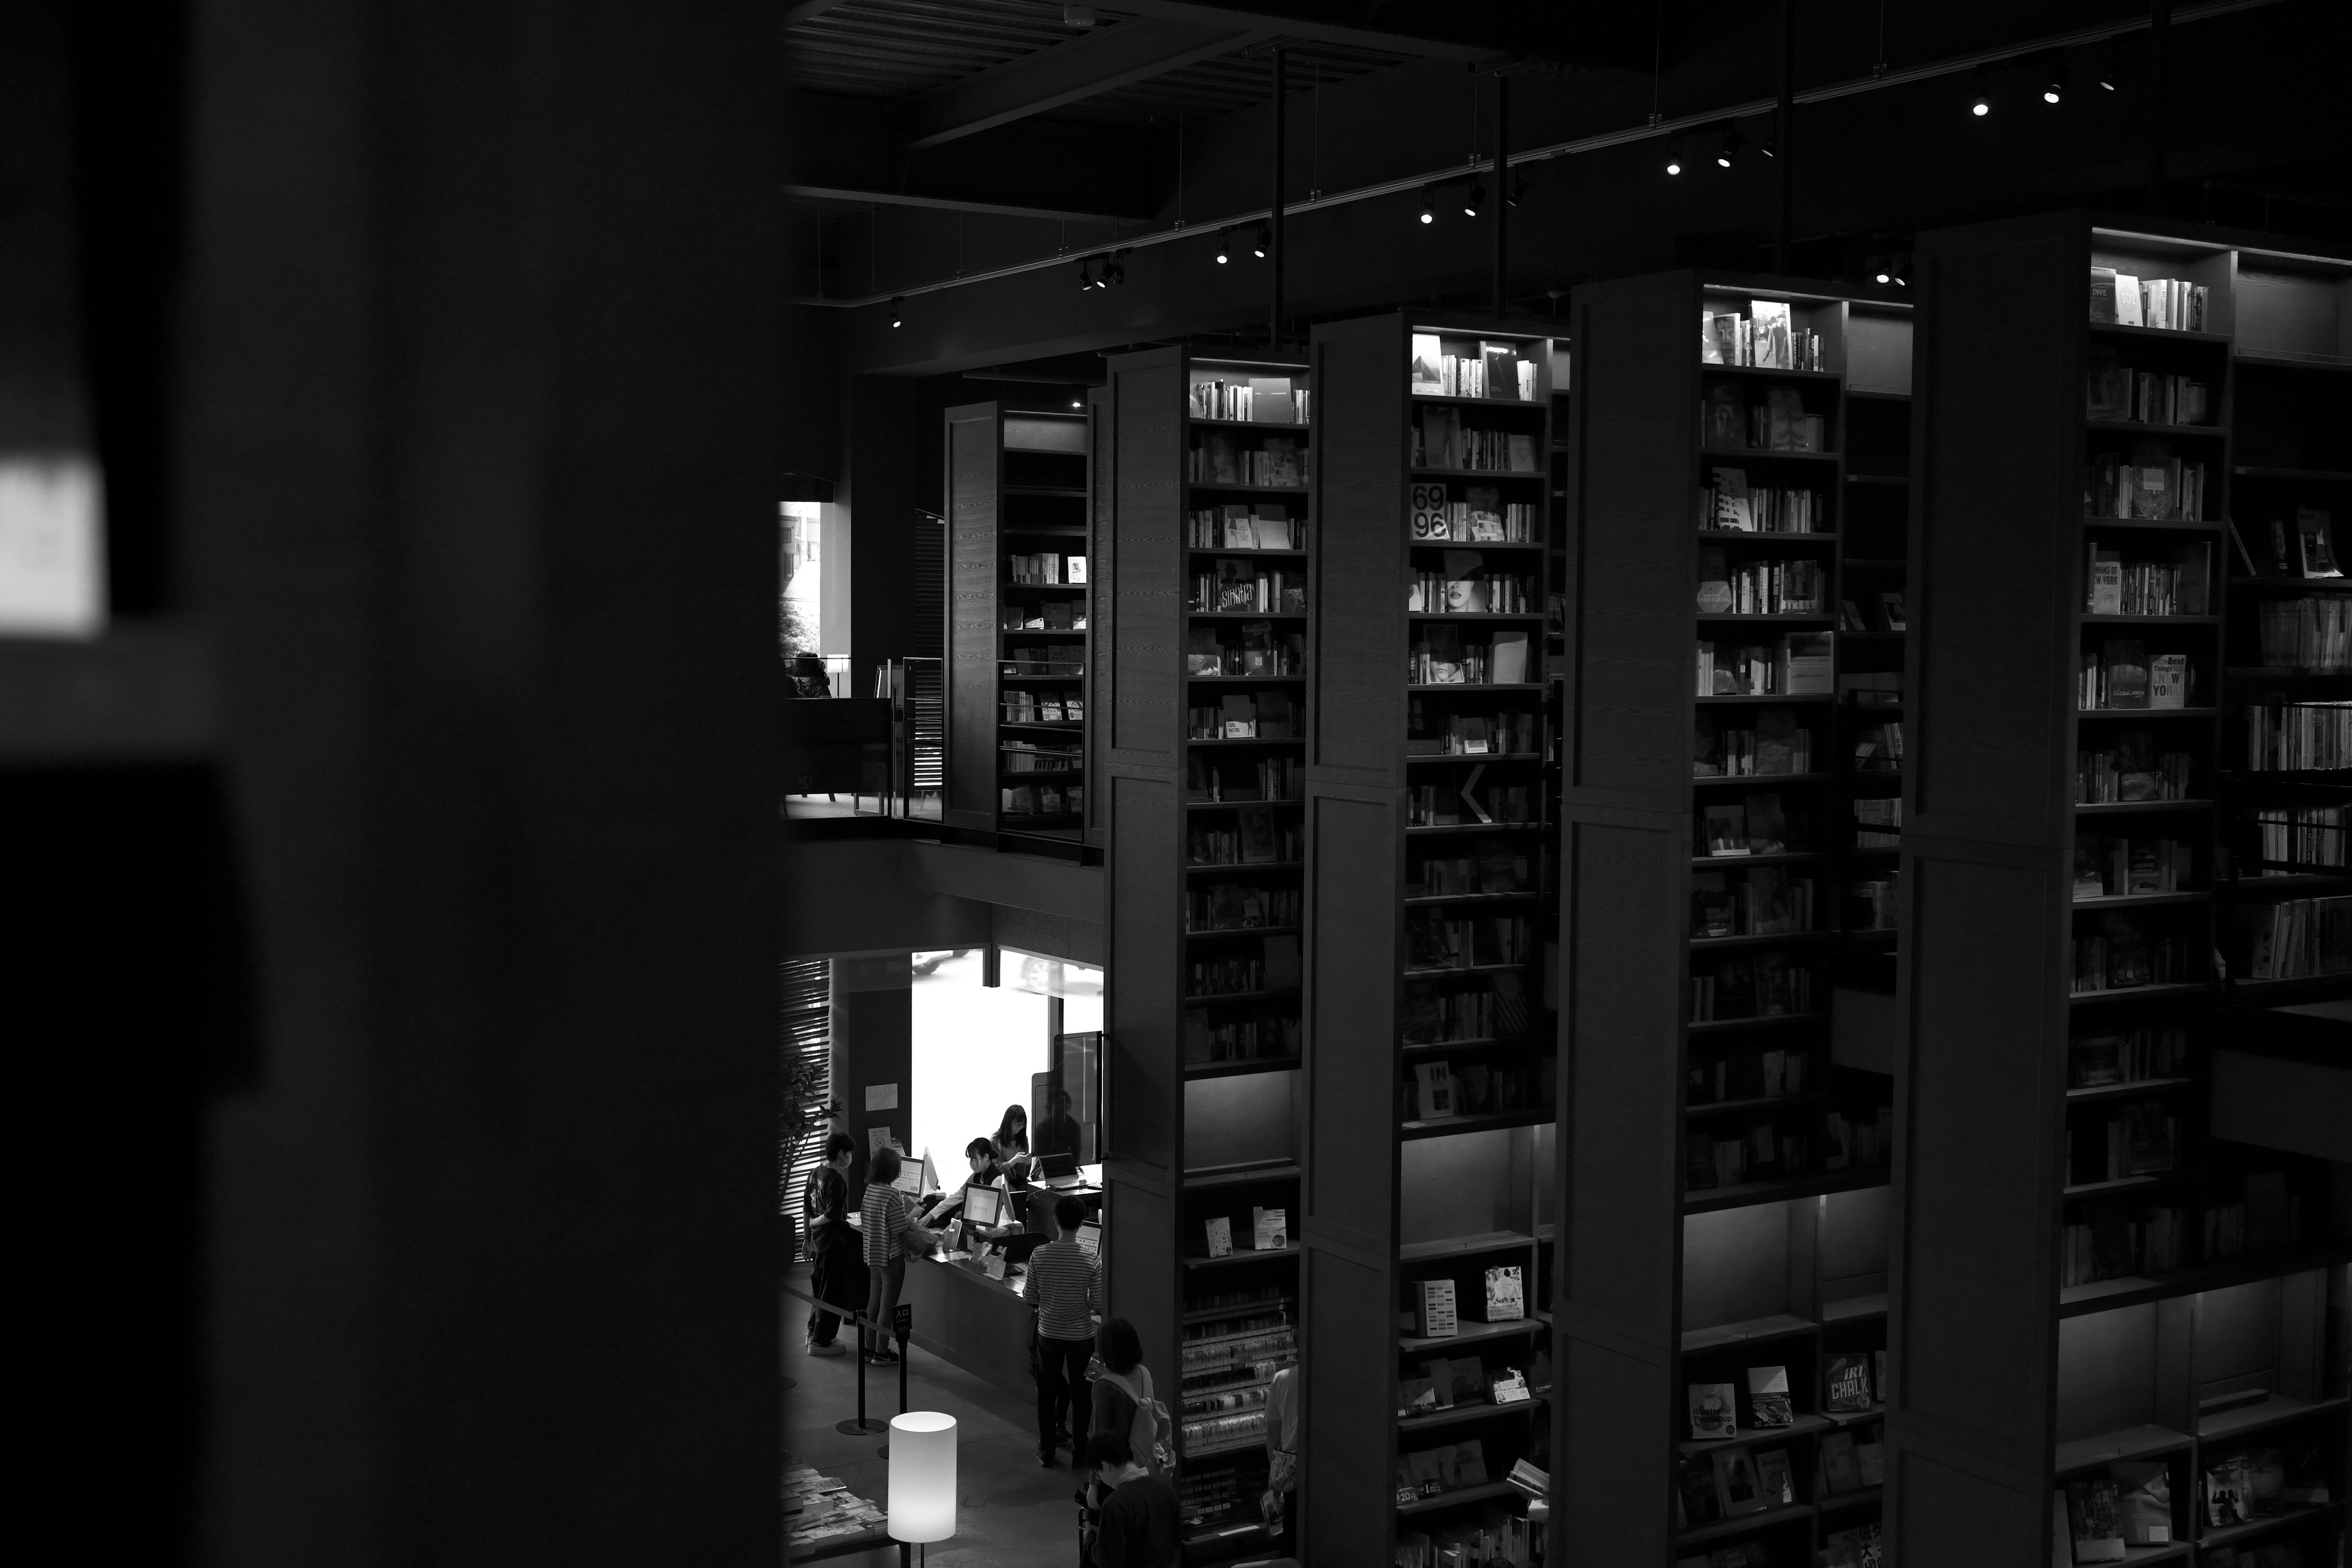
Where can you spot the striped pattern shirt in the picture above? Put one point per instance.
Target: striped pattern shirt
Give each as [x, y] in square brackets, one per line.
[886, 1216]
[1064, 1284]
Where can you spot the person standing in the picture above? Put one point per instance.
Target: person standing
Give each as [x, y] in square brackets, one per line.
[1064, 1286]
[837, 1278]
[1123, 1390]
[1138, 1523]
[1012, 1144]
[891, 1233]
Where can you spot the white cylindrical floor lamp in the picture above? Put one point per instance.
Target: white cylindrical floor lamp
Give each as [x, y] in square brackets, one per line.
[923, 1476]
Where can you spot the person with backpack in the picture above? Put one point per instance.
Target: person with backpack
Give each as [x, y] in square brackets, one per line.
[1065, 1285]
[1135, 1525]
[1123, 1400]
[838, 1277]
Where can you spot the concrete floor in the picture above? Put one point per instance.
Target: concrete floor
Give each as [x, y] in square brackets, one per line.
[1012, 1512]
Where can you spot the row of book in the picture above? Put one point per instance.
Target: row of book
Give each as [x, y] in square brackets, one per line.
[1437, 940]
[1053, 616]
[1776, 423]
[1243, 716]
[1256, 648]
[1727, 1483]
[1878, 822]
[1211, 1495]
[1848, 1378]
[1049, 663]
[1024, 759]
[1494, 869]
[2134, 769]
[1267, 1036]
[1044, 707]
[1434, 1091]
[1764, 901]
[1219, 1347]
[2307, 549]
[2313, 633]
[1889, 617]
[1858, 1142]
[1775, 744]
[1224, 459]
[1795, 587]
[1879, 748]
[1441, 440]
[1727, 503]
[1755, 823]
[1437, 806]
[1718, 1158]
[1258, 399]
[1245, 587]
[1268, 1230]
[1042, 800]
[2126, 1055]
[2302, 836]
[2296, 938]
[1872, 904]
[2120, 674]
[2116, 391]
[2112, 1239]
[1479, 515]
[2150, 483]
[1801, 664]
[2182, 585]
[1497, 1537]
[2123, 956]
[1259, 838]
[2138, 1138]
[1228, 781]
[1769, 985]
[1748, 1072]
[1490, 369]
[2298, 737]
[1462, 589]
[2172, 304]
[1457, 734]
[1265, 526]
[1765, 338]
[1052, 568]
[1239, 906]
[1496, 1009]
[1242, 974]
[1441, 656]
[2114, 865]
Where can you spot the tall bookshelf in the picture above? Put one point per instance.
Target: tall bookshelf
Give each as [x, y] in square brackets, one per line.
[1726, 1204]
[1019, 522]
[1431, 1085]
[2088, 1281]
[1211, 554]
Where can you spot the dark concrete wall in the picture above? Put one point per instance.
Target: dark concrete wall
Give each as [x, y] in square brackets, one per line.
[483, 426]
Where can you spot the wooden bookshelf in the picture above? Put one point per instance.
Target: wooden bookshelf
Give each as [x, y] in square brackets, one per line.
[1018, 633]
[1693, 805]
[2081, 1264]
[1426, 917]
[1207, 687]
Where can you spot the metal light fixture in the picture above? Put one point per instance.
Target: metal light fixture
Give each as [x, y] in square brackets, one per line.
[1086, 276]
[1224, 249]
[1473, 199]
[1114, 269]
[1979, 98]
[2054, 88]
[897, 309]
[1264, 242]
[1428, 205]
[1673, 162]
[1729, 151]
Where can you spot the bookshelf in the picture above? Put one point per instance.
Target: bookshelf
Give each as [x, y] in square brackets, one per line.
[1726, 1199]
[1019, 522]
[1429, 1088]
[2088, 1279]
[1211, 555]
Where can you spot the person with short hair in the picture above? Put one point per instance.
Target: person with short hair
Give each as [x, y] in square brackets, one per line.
[1065, 1285]
[1138, 1523]
[980, 1154]
[892, 1234]
[836, 1277]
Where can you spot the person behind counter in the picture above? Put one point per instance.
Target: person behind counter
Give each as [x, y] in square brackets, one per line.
[1065, 1285]
[980, 1154]
[1012, 1144]
[892, 1234]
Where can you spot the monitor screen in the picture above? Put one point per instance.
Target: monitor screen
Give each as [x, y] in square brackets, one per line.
[980, 1206]
[1090, 1237]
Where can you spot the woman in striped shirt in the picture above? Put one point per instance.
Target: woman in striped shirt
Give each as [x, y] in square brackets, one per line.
[892, 1233]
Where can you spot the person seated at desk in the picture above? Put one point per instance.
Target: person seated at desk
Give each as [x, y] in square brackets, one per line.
[988, 1175]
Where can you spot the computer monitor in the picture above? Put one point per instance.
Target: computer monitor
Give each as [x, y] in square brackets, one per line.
[1090, 1237]
[981, 1205]
[1051, 1168]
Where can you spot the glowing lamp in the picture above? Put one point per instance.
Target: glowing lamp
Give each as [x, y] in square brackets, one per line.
[922, 1476]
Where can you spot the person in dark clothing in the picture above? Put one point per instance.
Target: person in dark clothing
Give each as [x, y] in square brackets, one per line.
[1138, 1523]
[838, 1277]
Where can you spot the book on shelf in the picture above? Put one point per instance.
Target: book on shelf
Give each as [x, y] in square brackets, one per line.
[1506, 1297]
[1840, 1474]
[2180, 585]
[2142, 1501]
[1269, 1229]
[2172, 304]
[1220, 1237]
[2151, 482]
[1847, 1381]
[1774, 1477]
[1713, 1411]
[1765, 338]
[1870, 1455]
[1695, 1503]
[1767, 1396]
[2094, 1525]
[1433, 1310]
[2297, 737]
[1434, 1080]
[1737, 1488]
[2315, 543]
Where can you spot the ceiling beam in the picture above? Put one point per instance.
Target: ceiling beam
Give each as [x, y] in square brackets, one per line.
[1274, 22]
[804, 9]
[881, 198]
[1066, 73]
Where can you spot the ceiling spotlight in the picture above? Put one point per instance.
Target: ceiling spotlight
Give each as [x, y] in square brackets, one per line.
[1980, 99]
[1674, 162]
[2054, 88]
[1428, 206]
[1729, 150]
[897, 309]
[1473, 199]
[1265, 241]
[1074, 403]
[1086, 276]
[1225, 249]
[1514, 190]
[1884, 274]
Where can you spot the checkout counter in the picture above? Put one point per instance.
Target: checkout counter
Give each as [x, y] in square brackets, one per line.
[979, 1323]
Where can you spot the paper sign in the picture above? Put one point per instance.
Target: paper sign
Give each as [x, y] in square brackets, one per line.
[881, 1097]
[880, 1138]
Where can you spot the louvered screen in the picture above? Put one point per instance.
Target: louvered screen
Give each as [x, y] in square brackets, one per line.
[807, 1036]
